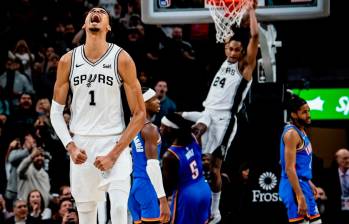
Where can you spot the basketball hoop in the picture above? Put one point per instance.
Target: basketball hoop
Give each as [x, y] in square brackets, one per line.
[225, 14]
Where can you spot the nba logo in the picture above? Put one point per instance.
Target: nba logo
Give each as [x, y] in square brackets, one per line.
[164, 3]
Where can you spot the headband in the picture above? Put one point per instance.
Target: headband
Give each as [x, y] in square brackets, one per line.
[148, 94]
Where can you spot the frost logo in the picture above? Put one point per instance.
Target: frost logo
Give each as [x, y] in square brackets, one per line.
[267, 181]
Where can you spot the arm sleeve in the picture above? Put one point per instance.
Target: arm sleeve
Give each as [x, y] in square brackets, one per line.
[154, 173]
[59, 124]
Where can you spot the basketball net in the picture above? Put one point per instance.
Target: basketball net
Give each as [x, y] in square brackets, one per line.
[225, 14]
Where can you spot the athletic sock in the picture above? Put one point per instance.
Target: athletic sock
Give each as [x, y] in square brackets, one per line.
[215, 202]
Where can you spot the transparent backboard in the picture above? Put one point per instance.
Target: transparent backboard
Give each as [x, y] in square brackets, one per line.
[194, 11]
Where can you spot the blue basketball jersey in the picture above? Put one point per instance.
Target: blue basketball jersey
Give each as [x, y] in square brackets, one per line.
[303, 155]
[192, 198]
[304, 173]
[142, 201]
[190, 164]
[139, 158]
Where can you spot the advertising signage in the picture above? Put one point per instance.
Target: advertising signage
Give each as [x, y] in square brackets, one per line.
[326, 103]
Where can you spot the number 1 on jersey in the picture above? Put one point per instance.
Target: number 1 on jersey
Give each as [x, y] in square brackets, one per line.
[92, 94]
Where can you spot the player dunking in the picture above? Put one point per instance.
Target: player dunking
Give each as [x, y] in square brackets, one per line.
[147, 184]
[99, 151]
[296, 189]
[217, 123]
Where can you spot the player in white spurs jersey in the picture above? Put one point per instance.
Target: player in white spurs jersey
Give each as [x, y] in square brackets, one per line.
[217, 123]
[99, 152]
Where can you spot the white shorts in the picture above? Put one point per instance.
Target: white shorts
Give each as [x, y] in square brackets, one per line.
[87, 182]
[217, 122]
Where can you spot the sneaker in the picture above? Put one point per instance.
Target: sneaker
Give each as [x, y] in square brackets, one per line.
[215, 218]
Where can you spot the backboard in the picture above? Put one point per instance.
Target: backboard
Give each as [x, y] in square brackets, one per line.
[194, 11]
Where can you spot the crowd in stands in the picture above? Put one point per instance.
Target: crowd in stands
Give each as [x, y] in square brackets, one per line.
[35, 34]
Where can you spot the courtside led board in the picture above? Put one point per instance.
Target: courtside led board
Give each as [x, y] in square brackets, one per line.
[326, 104]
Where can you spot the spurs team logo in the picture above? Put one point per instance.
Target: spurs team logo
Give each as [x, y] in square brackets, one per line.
[267, 181]
[91, 78]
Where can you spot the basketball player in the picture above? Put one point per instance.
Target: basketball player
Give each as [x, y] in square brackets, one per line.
[217, 123]
[183, 173]
[147, 184]
[99, 152]
[296, 189]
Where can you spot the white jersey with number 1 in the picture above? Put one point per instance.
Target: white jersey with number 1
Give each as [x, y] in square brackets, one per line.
[96, 107]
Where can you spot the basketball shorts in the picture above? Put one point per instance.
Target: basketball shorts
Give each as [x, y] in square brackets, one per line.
[288, 197]
[87, 182]
[191, 204]
[217, 122]
[143, 201]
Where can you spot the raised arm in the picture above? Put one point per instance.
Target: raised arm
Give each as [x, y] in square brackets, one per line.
[127, 70]
[252, 47]
[291, 140]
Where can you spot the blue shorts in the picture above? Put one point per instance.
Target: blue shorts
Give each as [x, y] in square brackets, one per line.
[191, 204]
[143, 202]
[288, 197]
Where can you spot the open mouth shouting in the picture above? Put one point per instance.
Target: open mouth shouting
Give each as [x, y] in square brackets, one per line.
[95, 18]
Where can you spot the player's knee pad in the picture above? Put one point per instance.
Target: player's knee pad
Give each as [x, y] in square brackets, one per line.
[86, 206]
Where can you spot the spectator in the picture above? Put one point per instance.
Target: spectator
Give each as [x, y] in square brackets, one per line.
[20, 211]
[15, 154]
[177, 62]
[144, 78]
[13, 82]
[31, 175]
[4, 214]
[49, 77]
[167, 105]
[61, 216]
[43, 106]
[23, 116]
[37, 207]
[65, 192]
[4, 107]
[23, 53]
[337, 189]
